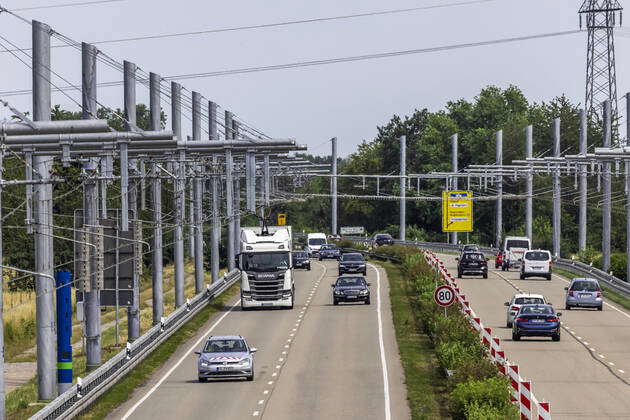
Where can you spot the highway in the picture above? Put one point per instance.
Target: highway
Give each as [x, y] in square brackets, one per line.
[587, 373]
[313, 362]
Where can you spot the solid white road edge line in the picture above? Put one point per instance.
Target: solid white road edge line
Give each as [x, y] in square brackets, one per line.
[179, 362]
[388, 414]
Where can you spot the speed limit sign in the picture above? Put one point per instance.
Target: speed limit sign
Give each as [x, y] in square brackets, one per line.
[444, 295]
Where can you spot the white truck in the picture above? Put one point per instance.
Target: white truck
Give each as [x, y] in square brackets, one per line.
[266, 267]
[314, 242]
[513, 249]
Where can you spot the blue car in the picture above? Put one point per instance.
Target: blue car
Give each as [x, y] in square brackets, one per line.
[536, 321]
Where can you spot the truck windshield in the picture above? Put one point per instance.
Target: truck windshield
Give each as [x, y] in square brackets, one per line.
[265, 261]
[517, 243]
[316, 241]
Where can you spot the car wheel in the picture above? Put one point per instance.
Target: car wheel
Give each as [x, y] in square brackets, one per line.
[365, 272]
[459, 274]
[567, 307]
[548, 276]
[308, 268]
[335, 302]
[496, 266]
[508, 324]
[485, 275]
[367, 302]
[556, 337]
[522, 276]
[250, 377]
[202, 380]
[340, 273]
[600, 308]
[515, 336]
[320, 258]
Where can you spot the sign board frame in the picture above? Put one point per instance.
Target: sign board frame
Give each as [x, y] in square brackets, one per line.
[457, 211]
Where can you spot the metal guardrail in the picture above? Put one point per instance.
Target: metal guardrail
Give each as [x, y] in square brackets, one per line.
[81, 395]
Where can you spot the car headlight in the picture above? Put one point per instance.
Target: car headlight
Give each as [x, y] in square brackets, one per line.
[245, 362]
[338, 292]
[364, 292]
[205, 363]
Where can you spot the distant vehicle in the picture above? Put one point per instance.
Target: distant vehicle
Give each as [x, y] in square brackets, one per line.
[472, 263]
[329, 251]
[519, 300]
[334, 237]
[513, 249]
[226, 357]
[470, 248]
[352, 263]
[536, 321]
[498, 261]
[301, 260]
[536, 264]
[351, 289]
[314, 242]
[382, 239]
[266, 267]
[585, 293]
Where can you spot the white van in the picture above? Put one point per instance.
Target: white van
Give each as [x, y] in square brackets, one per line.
[314, 242]
[513, 249]
[536, 263]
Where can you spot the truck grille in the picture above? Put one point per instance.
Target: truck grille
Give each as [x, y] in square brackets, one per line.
[267, 289]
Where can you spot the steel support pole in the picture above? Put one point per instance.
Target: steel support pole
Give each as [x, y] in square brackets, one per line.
[333, 187]
[557, 210]
[198, 195]
[133, 312]
[229, 193]
[403, 187]
[2, 395]
[606, 187]
[455, 165]
[215, 233]
[582, 223]
[180, 197]
[42, 165]
[156, 205]
[499, 203]
[529, 200]
[267, 179]
[628, 189]
[237, 197]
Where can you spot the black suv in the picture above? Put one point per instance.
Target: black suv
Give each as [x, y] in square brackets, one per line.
[472, 263]
[351, 289]
[301, 260]
[352, 263]
[382, 239]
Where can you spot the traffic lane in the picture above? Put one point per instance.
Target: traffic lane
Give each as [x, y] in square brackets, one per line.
[334, 369]
[182, 396]
[564, 372]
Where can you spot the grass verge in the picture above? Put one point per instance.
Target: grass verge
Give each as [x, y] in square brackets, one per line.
[122, 391]
[609, 293]
[426, 385]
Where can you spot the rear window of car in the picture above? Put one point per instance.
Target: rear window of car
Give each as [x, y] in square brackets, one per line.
[352, 257]
[299, 254]
[517, 243]
[537, 256]
[587, 286]
[471, 248]
[528, 301]
[536, 310]
[473, 257]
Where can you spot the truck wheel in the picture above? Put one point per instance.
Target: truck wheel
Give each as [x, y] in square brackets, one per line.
[243, 308]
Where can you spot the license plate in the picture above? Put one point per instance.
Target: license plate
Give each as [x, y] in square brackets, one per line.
[267, 304]
[537, 268]
[351, 297]
[585, 295]
[474, 264]
[538, 320]
[224, 368]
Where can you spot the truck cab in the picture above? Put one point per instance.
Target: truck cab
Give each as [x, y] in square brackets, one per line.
[266, 267]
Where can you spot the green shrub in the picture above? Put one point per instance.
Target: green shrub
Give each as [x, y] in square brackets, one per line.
[476, 411]
[493, 393]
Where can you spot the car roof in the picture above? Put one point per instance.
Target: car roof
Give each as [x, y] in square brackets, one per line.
[351, 277]
[225, 337]
[520, 295]
[537, 304]
[584, 279]
[539, 250]
[353, 253]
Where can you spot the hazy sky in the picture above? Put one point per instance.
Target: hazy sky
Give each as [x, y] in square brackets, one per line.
[347, 100]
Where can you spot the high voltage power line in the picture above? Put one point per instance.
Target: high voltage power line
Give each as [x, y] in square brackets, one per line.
[56, 6]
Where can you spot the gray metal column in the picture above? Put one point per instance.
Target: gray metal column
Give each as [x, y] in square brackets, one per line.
[455, 165]
[229, 193]
[237, 197]
[499, 203]
[529, 200]
[180, 197]
[133, 313]
[92, 298]
[156, 205]
[2, 395]
[267, 180]
[627, 188]
[403, 187]
[216, 219]
[557, 214]
[333, 186]
[582, 223]
[42, 165]
[250, 180]
[198, 196]
[606, 189]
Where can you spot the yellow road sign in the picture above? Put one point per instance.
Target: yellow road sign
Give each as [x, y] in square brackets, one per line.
[457, 211]
[282, 219]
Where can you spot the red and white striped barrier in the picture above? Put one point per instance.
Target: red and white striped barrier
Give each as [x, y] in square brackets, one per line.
[521, 393]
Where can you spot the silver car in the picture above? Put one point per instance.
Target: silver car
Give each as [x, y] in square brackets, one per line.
[518, 300]
[226, 357]
[584, 292]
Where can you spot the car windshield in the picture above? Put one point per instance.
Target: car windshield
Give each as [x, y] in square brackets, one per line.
[537, 256]
[536, 310]
[352, 257]
[470, 247]
[350, 281]
[225, 346]
[473, 257]
[528, 300]
[299, 255]
[316, 241]
[517, 243]
[265, 261]
[587, 286]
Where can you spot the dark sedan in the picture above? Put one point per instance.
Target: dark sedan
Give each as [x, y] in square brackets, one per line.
[351, 289]
[301, 260]
[381, 239]
[536, 321]
[352, 263]
[472, 263]
[329, 251]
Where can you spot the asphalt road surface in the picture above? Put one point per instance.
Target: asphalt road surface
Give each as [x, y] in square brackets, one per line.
[317, 361]
[587, 373]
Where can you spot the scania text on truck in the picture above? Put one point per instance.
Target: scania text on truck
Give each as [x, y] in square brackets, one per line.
[266, 267]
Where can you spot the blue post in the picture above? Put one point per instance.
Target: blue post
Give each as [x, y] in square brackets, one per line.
[64, 330]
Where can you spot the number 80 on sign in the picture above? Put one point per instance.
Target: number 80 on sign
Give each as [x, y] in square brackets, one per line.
[444, 295]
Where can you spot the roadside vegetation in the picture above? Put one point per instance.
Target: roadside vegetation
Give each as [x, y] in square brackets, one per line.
[444, 361]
